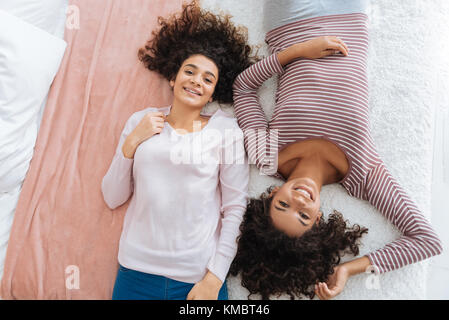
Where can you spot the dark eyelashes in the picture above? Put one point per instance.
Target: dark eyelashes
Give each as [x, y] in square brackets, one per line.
[190, 73]
[285, 205]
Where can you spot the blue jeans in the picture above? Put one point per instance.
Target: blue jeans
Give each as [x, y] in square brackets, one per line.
[135, 285]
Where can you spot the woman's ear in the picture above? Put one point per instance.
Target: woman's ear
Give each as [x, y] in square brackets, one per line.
[318, 218]
[273, 191]
[172, 83]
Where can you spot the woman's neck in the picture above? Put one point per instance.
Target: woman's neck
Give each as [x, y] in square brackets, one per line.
[313, 167]
[184, 117]
[317, 159]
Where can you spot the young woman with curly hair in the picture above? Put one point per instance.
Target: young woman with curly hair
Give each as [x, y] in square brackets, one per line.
[180, 229]
[319, 134]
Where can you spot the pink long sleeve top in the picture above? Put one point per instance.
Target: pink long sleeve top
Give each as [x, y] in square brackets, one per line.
[328, 98]
[188, 196]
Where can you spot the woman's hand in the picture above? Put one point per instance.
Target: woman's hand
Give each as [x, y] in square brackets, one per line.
[151, 124]
[207, 289]
[322, 46]
[313, 49]
[337, 281]
[334, 285]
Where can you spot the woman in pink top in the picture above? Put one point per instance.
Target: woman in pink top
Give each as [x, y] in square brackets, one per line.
[319, 134]
[185, 172]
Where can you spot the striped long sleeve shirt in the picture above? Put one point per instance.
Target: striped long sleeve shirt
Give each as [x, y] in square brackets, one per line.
[328, 98]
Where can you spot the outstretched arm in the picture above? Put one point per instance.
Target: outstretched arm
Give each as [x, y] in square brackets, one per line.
[260, 142]
[418, 241]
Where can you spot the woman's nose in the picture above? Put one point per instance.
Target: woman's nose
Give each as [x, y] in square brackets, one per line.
[300, 199]
[194, 80]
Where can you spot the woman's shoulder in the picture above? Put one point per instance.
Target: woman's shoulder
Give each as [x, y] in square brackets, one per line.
[223, 120]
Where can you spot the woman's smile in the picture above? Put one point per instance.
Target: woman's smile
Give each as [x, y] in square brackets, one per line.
[192, 91]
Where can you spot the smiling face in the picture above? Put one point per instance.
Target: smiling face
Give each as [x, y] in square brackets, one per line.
[295, 207]
[195, 81]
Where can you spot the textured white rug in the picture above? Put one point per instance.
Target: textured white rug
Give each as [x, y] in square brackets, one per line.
[407, 86]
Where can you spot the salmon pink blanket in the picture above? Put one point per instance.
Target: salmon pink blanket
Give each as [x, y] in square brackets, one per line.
[64, 239]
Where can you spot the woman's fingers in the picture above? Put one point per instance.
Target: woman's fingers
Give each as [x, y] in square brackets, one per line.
[323, 292]
[343, 44]
[158, 121]
[319, 291]
[327, 292]
[337, 46]
[334, 45]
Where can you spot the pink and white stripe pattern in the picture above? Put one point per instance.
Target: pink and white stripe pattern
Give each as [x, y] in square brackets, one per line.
[328, 98]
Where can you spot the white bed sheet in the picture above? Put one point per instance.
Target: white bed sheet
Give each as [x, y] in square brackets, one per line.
[405, 82]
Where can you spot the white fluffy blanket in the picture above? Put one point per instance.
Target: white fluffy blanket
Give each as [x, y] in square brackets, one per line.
[406, 88]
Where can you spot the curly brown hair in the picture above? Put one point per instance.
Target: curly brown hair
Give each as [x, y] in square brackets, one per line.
[196, 31]
[272, 263]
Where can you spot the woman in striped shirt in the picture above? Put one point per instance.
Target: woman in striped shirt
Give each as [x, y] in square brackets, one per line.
[319, 134]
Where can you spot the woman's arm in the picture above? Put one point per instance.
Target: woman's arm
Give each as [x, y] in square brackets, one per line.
[234, 180]
[117, 184]
[233, 183]
[260, 142]
[246, 103]
[419, 241]
[313, 49]
[247, 107]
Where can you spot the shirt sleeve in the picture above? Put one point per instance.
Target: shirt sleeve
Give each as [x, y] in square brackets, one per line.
[117, 185]
[233, 183]
[418, 241]
[260, 142]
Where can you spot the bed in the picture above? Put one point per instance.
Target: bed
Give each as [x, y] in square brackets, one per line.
[25, 26]
[402, 92]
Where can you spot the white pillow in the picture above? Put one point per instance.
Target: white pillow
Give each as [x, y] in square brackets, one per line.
[29, 60]
[45, 14]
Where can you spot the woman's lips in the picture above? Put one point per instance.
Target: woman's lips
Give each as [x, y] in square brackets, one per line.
[191, 91]
[305, 190]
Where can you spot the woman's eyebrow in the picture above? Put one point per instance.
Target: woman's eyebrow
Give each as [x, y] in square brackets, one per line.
[299, 219]
[195, 67]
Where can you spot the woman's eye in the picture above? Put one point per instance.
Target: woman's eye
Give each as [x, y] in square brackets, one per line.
[304, 216]
[189, 72]
[282, 203]
[208, 80]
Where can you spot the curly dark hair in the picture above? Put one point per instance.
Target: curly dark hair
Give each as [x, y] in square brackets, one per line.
[272, 263]
[196, 31]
